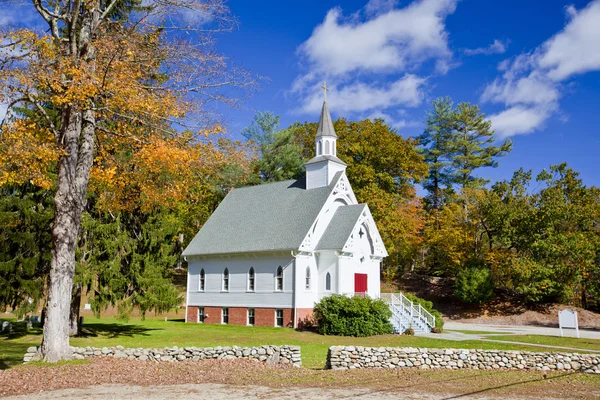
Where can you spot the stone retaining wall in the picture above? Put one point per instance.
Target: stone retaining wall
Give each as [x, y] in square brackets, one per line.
[289, 355]
[351, 357]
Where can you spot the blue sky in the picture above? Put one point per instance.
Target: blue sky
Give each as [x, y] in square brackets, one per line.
[533, 66]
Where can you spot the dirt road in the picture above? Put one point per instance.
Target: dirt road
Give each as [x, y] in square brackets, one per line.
[215, 391]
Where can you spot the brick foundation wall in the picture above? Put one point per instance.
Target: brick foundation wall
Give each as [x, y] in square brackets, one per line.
[264, 317]
[302, 314]
[214, 315]
[191, 314]
[239, 315]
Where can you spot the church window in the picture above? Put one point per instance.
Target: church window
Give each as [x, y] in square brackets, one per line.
[319, 148]
[202, 280]
[307, 286]
[251, 316]
[251, 279]
[328, 281]
[327, 147]
[226, 280]
[279, 279]
[278, 317]
[201, 314]
[225, 315]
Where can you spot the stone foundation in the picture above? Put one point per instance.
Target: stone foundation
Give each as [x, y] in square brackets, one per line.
[287, 355]
[351, 357]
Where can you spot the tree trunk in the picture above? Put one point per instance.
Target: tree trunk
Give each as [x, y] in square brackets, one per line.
[75, 328]
[77, 139]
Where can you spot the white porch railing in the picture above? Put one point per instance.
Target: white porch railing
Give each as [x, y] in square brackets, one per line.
[407, 314]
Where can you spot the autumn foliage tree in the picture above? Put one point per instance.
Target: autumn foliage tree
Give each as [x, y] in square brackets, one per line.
[107, 77]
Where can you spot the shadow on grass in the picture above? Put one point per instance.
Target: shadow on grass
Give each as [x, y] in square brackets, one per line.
[115, 330]
[470, 393]
[507, 385]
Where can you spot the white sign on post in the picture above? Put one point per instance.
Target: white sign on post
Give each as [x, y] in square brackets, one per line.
[568, 319]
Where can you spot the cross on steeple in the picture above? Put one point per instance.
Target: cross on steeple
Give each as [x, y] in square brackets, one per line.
[325, 90]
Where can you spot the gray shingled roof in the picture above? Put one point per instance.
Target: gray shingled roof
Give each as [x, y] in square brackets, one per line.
[325, 124]
[269, 217]
[340, 227]
[317, 159]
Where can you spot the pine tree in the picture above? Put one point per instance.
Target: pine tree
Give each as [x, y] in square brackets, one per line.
[25, 246]
[472, 145]
[436, 144]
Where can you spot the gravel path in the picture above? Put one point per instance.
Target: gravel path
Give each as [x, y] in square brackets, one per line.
[215, 391]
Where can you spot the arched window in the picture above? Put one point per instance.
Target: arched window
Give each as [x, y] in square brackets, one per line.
[327, 147]
[201, 282]
[319, 148]
[251, 279]
[279, 279]
[328, 281]
[307, 286]
[226, 280]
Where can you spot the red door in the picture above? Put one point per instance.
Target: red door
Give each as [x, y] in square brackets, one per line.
[360, 284]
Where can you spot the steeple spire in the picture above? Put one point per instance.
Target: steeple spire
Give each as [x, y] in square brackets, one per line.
[325, 124]
[321, 170]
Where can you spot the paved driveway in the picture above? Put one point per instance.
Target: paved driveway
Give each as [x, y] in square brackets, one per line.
[521, 330]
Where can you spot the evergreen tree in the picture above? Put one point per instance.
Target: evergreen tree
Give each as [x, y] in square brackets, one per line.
[472, 145]
[25, 245]
[435, 146]
[282, 159]
[127, 261]
[262, 129]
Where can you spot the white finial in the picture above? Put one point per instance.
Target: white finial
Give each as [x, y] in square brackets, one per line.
[325, 90]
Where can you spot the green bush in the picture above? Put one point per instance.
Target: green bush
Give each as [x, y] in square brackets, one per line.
[474, 283]
[353, 316]
[427, 305]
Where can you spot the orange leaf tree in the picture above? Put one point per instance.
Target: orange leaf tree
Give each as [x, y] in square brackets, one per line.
[108, 77]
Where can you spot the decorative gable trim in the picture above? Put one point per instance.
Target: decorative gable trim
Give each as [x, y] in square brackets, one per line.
[366, 219]
[342, 193]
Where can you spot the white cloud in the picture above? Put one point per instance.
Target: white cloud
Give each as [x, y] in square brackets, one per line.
[399, 124]
[575, 49]
[362, 97]
[519, 120]
[370, 59]
[393, 41]
[376, 7]
[531, 83]
[531, 89]
[497, 47]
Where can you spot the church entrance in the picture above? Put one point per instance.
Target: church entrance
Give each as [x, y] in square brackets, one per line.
[360, 284]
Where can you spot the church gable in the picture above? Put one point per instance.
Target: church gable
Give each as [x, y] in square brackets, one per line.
[341, 194]
[365, 232]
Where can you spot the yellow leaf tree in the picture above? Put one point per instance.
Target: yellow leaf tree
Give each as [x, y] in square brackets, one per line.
[107, 77]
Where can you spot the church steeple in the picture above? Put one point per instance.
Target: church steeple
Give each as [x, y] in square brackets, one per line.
[321, 170]
[326, 138]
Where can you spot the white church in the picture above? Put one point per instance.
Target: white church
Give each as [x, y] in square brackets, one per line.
[270, 252]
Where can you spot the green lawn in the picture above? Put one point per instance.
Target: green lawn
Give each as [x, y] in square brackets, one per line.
[591, 344]
[159, 333]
